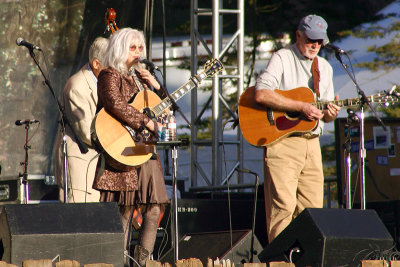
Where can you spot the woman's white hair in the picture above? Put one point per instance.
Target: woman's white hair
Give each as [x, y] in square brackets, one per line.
[118, 49]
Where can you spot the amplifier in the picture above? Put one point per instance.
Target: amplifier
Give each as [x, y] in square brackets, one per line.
[41, 188]
[9, 190]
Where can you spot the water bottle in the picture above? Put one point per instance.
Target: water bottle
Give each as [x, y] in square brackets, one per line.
[171, 127]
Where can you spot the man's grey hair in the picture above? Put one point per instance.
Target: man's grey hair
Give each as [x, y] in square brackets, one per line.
[98, 49]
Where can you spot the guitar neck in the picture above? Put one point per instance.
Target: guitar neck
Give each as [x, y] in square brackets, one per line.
[379, 98]
[350, 102]
[177, 94]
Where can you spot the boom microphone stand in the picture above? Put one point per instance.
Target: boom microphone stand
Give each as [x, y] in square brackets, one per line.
[64, 121]
[362, 152]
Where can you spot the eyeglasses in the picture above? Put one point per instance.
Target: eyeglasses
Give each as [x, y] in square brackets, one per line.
[134, 47]
[311, 41]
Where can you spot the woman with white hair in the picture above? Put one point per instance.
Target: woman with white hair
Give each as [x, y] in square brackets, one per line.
[132, 187]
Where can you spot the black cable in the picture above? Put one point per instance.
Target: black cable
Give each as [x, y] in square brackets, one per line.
[252, 252]
[161, 248]
[253, 227]
[371, 176]
[228, 191]
[163, 243]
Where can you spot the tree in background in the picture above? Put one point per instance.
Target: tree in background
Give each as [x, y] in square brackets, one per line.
[387, 55]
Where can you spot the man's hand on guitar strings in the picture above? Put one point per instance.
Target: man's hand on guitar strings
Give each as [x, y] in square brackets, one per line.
[332, 111]
[311, 112]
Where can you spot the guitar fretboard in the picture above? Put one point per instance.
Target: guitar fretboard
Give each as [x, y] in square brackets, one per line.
[377, 98]
[177, 94]
[341, 103]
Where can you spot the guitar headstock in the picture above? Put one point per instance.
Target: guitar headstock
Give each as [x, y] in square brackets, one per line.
[213, 66]
[384, 98]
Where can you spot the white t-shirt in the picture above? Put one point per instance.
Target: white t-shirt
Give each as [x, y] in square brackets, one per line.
[289, 69]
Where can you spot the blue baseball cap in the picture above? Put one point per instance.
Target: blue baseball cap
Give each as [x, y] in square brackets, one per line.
[314, 27]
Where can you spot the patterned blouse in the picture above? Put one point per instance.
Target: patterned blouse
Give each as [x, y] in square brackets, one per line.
[115, 92]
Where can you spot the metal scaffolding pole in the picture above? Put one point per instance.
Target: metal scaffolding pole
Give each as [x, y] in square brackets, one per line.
[217, 98]
[216, 157]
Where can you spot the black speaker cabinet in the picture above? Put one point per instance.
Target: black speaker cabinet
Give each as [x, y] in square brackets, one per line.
[329, 237]
[215, 244]
[86, 232]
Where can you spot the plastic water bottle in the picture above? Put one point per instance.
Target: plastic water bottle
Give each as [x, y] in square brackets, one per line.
[171, 127]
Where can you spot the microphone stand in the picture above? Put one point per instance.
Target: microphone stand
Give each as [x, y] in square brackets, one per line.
[24, 175]
[174, 205]
[362, 152]
[64, 121]
[351, 117]
[174, 155]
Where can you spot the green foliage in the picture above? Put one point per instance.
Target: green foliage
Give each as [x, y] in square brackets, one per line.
[329, 157]
[329, 152]
[387, 56]
[392, 111]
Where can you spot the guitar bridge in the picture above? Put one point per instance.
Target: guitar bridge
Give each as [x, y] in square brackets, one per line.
[270, 116]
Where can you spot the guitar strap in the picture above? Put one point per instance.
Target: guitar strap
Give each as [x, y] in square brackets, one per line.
[132, 73]
[141, 88]
[135, 77]
[315, 75]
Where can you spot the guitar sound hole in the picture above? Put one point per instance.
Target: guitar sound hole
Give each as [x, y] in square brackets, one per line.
[283, 123]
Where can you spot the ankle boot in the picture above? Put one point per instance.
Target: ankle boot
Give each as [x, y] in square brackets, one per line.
[141, 255]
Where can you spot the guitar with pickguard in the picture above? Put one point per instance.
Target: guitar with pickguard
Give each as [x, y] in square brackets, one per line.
[263, 126]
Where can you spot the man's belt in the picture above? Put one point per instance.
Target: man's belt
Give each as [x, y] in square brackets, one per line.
[305, 135]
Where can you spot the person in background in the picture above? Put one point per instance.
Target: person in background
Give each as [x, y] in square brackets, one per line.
[293, 176]
[131, 187]
[79, 99]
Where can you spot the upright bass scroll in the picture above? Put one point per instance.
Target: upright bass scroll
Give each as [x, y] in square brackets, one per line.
[110, 20]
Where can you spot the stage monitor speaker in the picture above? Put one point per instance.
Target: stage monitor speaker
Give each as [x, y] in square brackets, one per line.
[329, 237]
[215, 244]
[85, 232]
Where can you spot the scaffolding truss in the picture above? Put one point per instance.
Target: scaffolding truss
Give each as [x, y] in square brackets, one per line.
[217, 99]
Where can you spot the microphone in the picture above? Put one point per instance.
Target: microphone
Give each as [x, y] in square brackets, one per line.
[393, 91]
[20, 41]
[334, 48]
[148, 63]
[352, 114]
[22, 122]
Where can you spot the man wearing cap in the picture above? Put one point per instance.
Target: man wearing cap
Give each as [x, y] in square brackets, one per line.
[293, 176]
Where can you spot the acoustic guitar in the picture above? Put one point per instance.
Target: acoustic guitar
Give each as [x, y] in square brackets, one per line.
[263, 126]
[124, 144]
